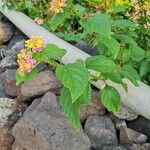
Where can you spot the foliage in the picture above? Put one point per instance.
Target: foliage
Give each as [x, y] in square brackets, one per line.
[120, 35]
[1, 16]
[110, 93]
[75, 77]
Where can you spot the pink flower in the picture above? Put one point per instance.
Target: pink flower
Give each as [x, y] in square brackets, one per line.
[26, 62]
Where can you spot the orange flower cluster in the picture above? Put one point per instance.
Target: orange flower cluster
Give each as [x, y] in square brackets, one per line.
[26, 62]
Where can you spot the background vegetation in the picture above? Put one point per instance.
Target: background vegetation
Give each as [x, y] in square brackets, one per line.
[118, 29]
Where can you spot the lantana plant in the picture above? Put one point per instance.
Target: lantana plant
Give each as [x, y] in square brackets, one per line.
[75, 77]
[36, 51]
[57, 6]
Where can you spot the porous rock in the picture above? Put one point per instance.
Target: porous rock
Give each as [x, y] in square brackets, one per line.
[129, 136]
[114, 148]
[2, 89]
[10, 112]
[39, 85]
[88, 48]
[9, 82]
[44, 127]
[141, 125]
[126, 113]
[94, 108]
[8, 63]
[145, 146]
[119, 123]
[2, 48]
[101, 131]
[15, 45]
[6, 32]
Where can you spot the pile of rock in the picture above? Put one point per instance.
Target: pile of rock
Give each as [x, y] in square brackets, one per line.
[32, 119]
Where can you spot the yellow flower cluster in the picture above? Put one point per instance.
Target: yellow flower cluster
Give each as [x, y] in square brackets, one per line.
[57, 6]
[36, 43]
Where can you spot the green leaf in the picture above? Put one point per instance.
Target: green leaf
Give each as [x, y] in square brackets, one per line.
[100, 63]
[125, 86]
[72, 37]
[102, 49]
[113, 76]
[129, 72]
[131, 33]
[111, 43]
[53, 52]
[148, 54]
[126, 39]
[79, 9]
[99, 23]
[25, 77]
[31, 74]
[19, 78]
[144, 68]
[85, 98]
[137, 54]
[74, 77]
[58, 19]
[72, 110]
[123, 23]
[1, 16]
[126, 55]
[33, 12]
[110, 98]
[37, 56]
[119, 8]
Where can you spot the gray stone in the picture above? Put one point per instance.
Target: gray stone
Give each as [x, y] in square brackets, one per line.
[128, 136]
[114, 148]
[2, 48]
[94, 108]
[6, 32]
[126, 113]
[119, 123]
[15, 45]
[10, 112]
[44, 127]
[34, 104]
[145, 146]
[141, 125]
[8, 63]
[9, 82]
[2, 89]
[101, 131]
[88, 48]
[43, 67]
[43, 82]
